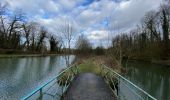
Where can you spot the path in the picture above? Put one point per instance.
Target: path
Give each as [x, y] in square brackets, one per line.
[88, 86]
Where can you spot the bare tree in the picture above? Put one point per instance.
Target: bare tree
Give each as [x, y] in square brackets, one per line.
[27, 32]
[67, 31]
[42, 35]
[150, 25]
[114, 53]
[83, 45]
[34, 31]
[165, 23]
[2, 25]
[11, 32]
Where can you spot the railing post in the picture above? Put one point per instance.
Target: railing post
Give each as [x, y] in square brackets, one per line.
[118, 86]
[72, 71]
[41, 94]
[39, 89]
[101, 70]
[77, 70]
[123, 81]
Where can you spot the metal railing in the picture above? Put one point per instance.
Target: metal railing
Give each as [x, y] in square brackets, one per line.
[55, 87]
[122, 87]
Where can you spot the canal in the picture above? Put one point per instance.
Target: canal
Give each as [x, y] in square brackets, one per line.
[20, 76]
[153, 78]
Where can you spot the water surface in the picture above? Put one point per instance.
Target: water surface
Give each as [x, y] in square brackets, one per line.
[20, 76]
[153, 78]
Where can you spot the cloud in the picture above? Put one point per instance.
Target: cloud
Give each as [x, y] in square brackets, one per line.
[69, 4]
[34, 7]
[91, 16]
[97, 35]
[129, 13]
[95, 12]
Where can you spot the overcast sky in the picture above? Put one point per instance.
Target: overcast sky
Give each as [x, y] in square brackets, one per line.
[91, 16]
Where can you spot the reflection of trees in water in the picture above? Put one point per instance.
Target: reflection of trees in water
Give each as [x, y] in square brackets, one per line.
[166, 88]
[19, 76]
[53, 62]
[43, 64]
[151, 77]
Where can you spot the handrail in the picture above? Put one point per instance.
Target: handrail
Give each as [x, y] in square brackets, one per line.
[42, 86]
[130, 83]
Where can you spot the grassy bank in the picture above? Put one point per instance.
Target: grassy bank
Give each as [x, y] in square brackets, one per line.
[89, 66]
[86, 65]
[151, 60]
[162, 62]
[25, 55]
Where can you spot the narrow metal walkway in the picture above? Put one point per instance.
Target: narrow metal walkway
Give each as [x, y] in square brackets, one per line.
[88, 86]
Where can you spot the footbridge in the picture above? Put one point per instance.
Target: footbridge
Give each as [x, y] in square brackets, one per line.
[70, 84]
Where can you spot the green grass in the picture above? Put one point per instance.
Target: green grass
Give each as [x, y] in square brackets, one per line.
[86, 66]
[89, 66]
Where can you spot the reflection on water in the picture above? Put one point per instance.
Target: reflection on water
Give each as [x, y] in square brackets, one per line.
[153, 78]
[20, 76]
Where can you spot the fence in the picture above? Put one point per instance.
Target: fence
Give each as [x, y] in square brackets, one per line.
[54, 88]
[123, 88]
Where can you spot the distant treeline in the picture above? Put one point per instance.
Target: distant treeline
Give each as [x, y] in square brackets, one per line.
[17, 35]
[84, 47]
[150, 40]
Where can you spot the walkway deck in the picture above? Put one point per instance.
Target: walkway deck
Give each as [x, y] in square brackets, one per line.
[88, 86]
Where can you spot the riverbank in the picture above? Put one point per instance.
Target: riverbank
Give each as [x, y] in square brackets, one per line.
[162, 62]
[154, 61]
[92, 64]
[25, 55]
